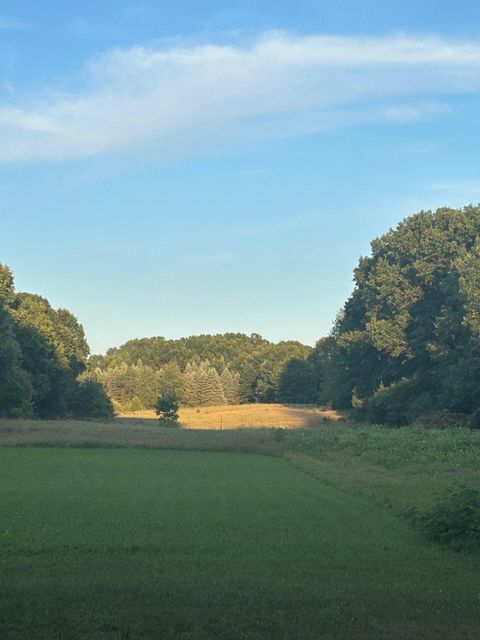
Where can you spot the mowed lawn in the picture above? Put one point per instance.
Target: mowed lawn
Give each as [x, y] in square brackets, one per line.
[131, 543]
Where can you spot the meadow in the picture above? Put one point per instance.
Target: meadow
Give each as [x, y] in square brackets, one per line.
[127, 530]
[249, 415]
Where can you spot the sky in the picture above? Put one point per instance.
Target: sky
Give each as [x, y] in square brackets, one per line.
[177, 168]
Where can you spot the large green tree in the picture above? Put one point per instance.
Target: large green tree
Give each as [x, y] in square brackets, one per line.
[42, 353]
[15, 384]
[298, 382]
[407, 341]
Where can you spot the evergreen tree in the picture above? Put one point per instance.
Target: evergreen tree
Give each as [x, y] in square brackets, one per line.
[190, 385]
[171, 381]
[167, 409]
[231, 386]
[147, 385]
[212, 390]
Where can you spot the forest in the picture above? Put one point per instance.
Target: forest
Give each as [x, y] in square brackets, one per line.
[406, 343]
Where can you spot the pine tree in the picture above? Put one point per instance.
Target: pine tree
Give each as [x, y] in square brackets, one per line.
[190, 385]
[213, 394]
[171, 381]
[203, 385]
[231, 386]
[147, 385]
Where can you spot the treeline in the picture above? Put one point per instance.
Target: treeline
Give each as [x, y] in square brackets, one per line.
[207, 369]
[43, 352]
[407, 341]
[133, 387]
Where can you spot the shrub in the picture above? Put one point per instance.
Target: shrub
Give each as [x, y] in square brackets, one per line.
[167, 409]
[455, 520]
[398, 404]
[91, 401]
[475, 420]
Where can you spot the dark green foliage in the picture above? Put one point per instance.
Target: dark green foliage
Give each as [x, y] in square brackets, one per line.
[475, 420]
[170, 380]
[54, 352]
[256, 361]
[91, 401]
[298, 382]
[408, 339]
[455, 520]
[15, 384]
[42, 353]
[167, 409]
[398, 404]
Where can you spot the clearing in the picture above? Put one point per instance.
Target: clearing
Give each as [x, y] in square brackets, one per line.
[249, 415]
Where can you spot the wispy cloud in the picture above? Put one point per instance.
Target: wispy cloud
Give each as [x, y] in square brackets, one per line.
[463, 186]
[177, 100]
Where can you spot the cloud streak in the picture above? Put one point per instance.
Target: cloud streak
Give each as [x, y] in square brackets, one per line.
[181, 100]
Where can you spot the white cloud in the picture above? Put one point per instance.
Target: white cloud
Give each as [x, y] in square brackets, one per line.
[177, 100]
[462, 186]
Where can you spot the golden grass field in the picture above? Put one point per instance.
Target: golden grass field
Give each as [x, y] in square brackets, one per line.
[248, 415]
[242, 428]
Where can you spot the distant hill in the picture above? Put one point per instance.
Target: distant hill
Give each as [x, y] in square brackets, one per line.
[258, 362]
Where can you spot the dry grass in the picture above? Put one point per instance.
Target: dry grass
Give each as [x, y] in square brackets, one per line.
[249, 415]
[245, 428]
[136, 433]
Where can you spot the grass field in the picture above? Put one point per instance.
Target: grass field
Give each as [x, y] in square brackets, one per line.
[104, 535]
[135, 543]
[249, 415]
[397, 468]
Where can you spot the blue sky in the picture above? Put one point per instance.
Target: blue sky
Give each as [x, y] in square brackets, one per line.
[200, 167]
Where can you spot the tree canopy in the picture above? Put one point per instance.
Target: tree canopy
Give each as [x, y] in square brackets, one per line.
[42, 353]
[206, 369]
[408, 339]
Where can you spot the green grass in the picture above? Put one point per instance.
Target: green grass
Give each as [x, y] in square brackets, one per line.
[136, 543]
[399, 468]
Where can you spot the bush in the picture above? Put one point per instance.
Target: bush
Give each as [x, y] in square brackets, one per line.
[475, 420]
[167, 409]
[455, 521]
[91, 401]
[398, 404]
